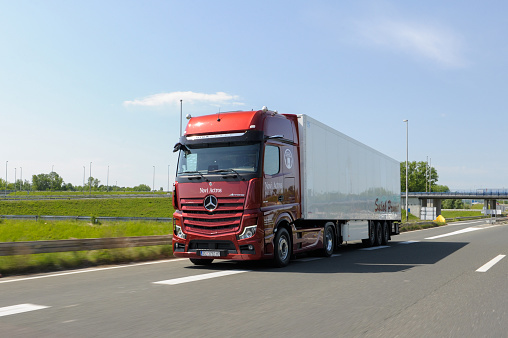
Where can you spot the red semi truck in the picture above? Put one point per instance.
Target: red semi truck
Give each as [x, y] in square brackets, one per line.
[256, 185]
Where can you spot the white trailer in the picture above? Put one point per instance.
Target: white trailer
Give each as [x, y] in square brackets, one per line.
[348, 182]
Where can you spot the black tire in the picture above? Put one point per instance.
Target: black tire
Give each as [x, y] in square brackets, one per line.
[371, 241]
[201, 261]
[386, 233]
[282, 248]
[328, 241]
[379, 234]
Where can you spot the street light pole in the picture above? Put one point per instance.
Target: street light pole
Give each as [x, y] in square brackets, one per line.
[5, 192]
[153, 182]
[84, 180]
[180, 118]
[407, 159]
[90, 179]
[168, 178]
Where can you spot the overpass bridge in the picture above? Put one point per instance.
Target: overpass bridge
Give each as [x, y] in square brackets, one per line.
[489, 197]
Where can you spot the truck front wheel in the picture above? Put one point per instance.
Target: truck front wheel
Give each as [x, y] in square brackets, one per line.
[282, 248]
[328, 241]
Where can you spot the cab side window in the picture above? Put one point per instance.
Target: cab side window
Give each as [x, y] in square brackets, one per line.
[271, 160]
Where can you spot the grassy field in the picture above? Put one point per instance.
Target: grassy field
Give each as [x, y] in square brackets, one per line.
[27, 230]
[86, 193]
[121, 207]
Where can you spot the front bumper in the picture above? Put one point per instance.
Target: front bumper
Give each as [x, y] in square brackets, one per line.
[218, 247]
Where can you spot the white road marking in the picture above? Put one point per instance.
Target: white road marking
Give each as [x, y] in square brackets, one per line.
[409, 242]
[310, 259]
[20, 308]
[336, 255]
[375, 248]
[89, 270]
[491, 263]
[454, 233]
[189, 279]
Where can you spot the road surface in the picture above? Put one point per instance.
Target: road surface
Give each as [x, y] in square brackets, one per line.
[450, 281]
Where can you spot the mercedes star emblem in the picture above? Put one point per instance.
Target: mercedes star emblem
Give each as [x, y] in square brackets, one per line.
[210, 203]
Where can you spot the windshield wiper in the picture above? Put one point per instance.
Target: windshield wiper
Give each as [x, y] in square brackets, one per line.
[195, 173]
[224, 171]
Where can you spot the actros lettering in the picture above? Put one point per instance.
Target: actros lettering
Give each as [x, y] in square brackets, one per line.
[209, 190]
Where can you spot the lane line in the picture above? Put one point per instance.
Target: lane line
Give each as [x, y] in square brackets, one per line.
[189, 279]
[310, 259]
[20, 308]
[463, 231]
[89, 270]
[375, 248]
[409, 242]
[491, 263]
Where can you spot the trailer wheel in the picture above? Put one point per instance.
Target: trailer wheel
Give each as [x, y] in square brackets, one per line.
[282, 250]
[386, 233]
[371, 241]
[328, 241]
[379, 234]
[200, 261]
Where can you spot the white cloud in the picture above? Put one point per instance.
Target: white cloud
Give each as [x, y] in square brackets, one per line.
[433, 42]
[161, 99]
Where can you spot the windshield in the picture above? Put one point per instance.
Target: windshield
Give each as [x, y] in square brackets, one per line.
[220, 158]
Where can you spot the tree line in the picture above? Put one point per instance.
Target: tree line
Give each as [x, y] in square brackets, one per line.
[423, 178]
[54, 182]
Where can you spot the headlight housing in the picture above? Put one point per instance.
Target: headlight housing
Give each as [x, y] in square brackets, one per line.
[248, 232]
[179, 233]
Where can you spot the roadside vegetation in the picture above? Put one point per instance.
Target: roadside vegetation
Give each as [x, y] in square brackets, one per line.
[114, 207]
[29, 230]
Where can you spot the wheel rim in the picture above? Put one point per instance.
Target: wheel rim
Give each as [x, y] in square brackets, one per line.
[283, 248]
[329, 241]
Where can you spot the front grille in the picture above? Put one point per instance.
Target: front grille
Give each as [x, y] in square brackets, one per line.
[225, 218]
[212, 245]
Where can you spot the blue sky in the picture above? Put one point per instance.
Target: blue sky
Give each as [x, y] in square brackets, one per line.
[101, 81]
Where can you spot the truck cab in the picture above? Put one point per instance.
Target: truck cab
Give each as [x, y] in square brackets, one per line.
[237, 185]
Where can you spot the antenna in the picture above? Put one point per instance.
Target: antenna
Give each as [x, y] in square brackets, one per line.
[218, 116]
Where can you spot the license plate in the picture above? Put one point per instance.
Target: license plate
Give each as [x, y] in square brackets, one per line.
[210, 253]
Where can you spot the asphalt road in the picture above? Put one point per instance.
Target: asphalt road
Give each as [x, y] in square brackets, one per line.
[450, 281]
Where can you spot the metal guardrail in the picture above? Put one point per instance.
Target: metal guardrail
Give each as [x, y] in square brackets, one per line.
[86, 218]
[65, 245]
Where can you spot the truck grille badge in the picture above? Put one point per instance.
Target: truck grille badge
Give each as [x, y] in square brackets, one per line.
[210, 203]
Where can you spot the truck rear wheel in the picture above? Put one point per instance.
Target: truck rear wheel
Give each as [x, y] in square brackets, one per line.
[379, 234]
[200, 261]
[328, 241]
[371, 241]
[386, 233]
[282, 250]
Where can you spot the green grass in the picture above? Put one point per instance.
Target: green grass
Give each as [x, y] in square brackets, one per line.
[80, 193]
[456, 213]
[114, 207]
[26, 230]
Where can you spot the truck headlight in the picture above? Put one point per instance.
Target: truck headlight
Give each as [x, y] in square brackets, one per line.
[248, 232]
[179, 232]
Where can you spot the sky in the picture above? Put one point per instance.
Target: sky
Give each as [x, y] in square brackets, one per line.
[98, 84]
